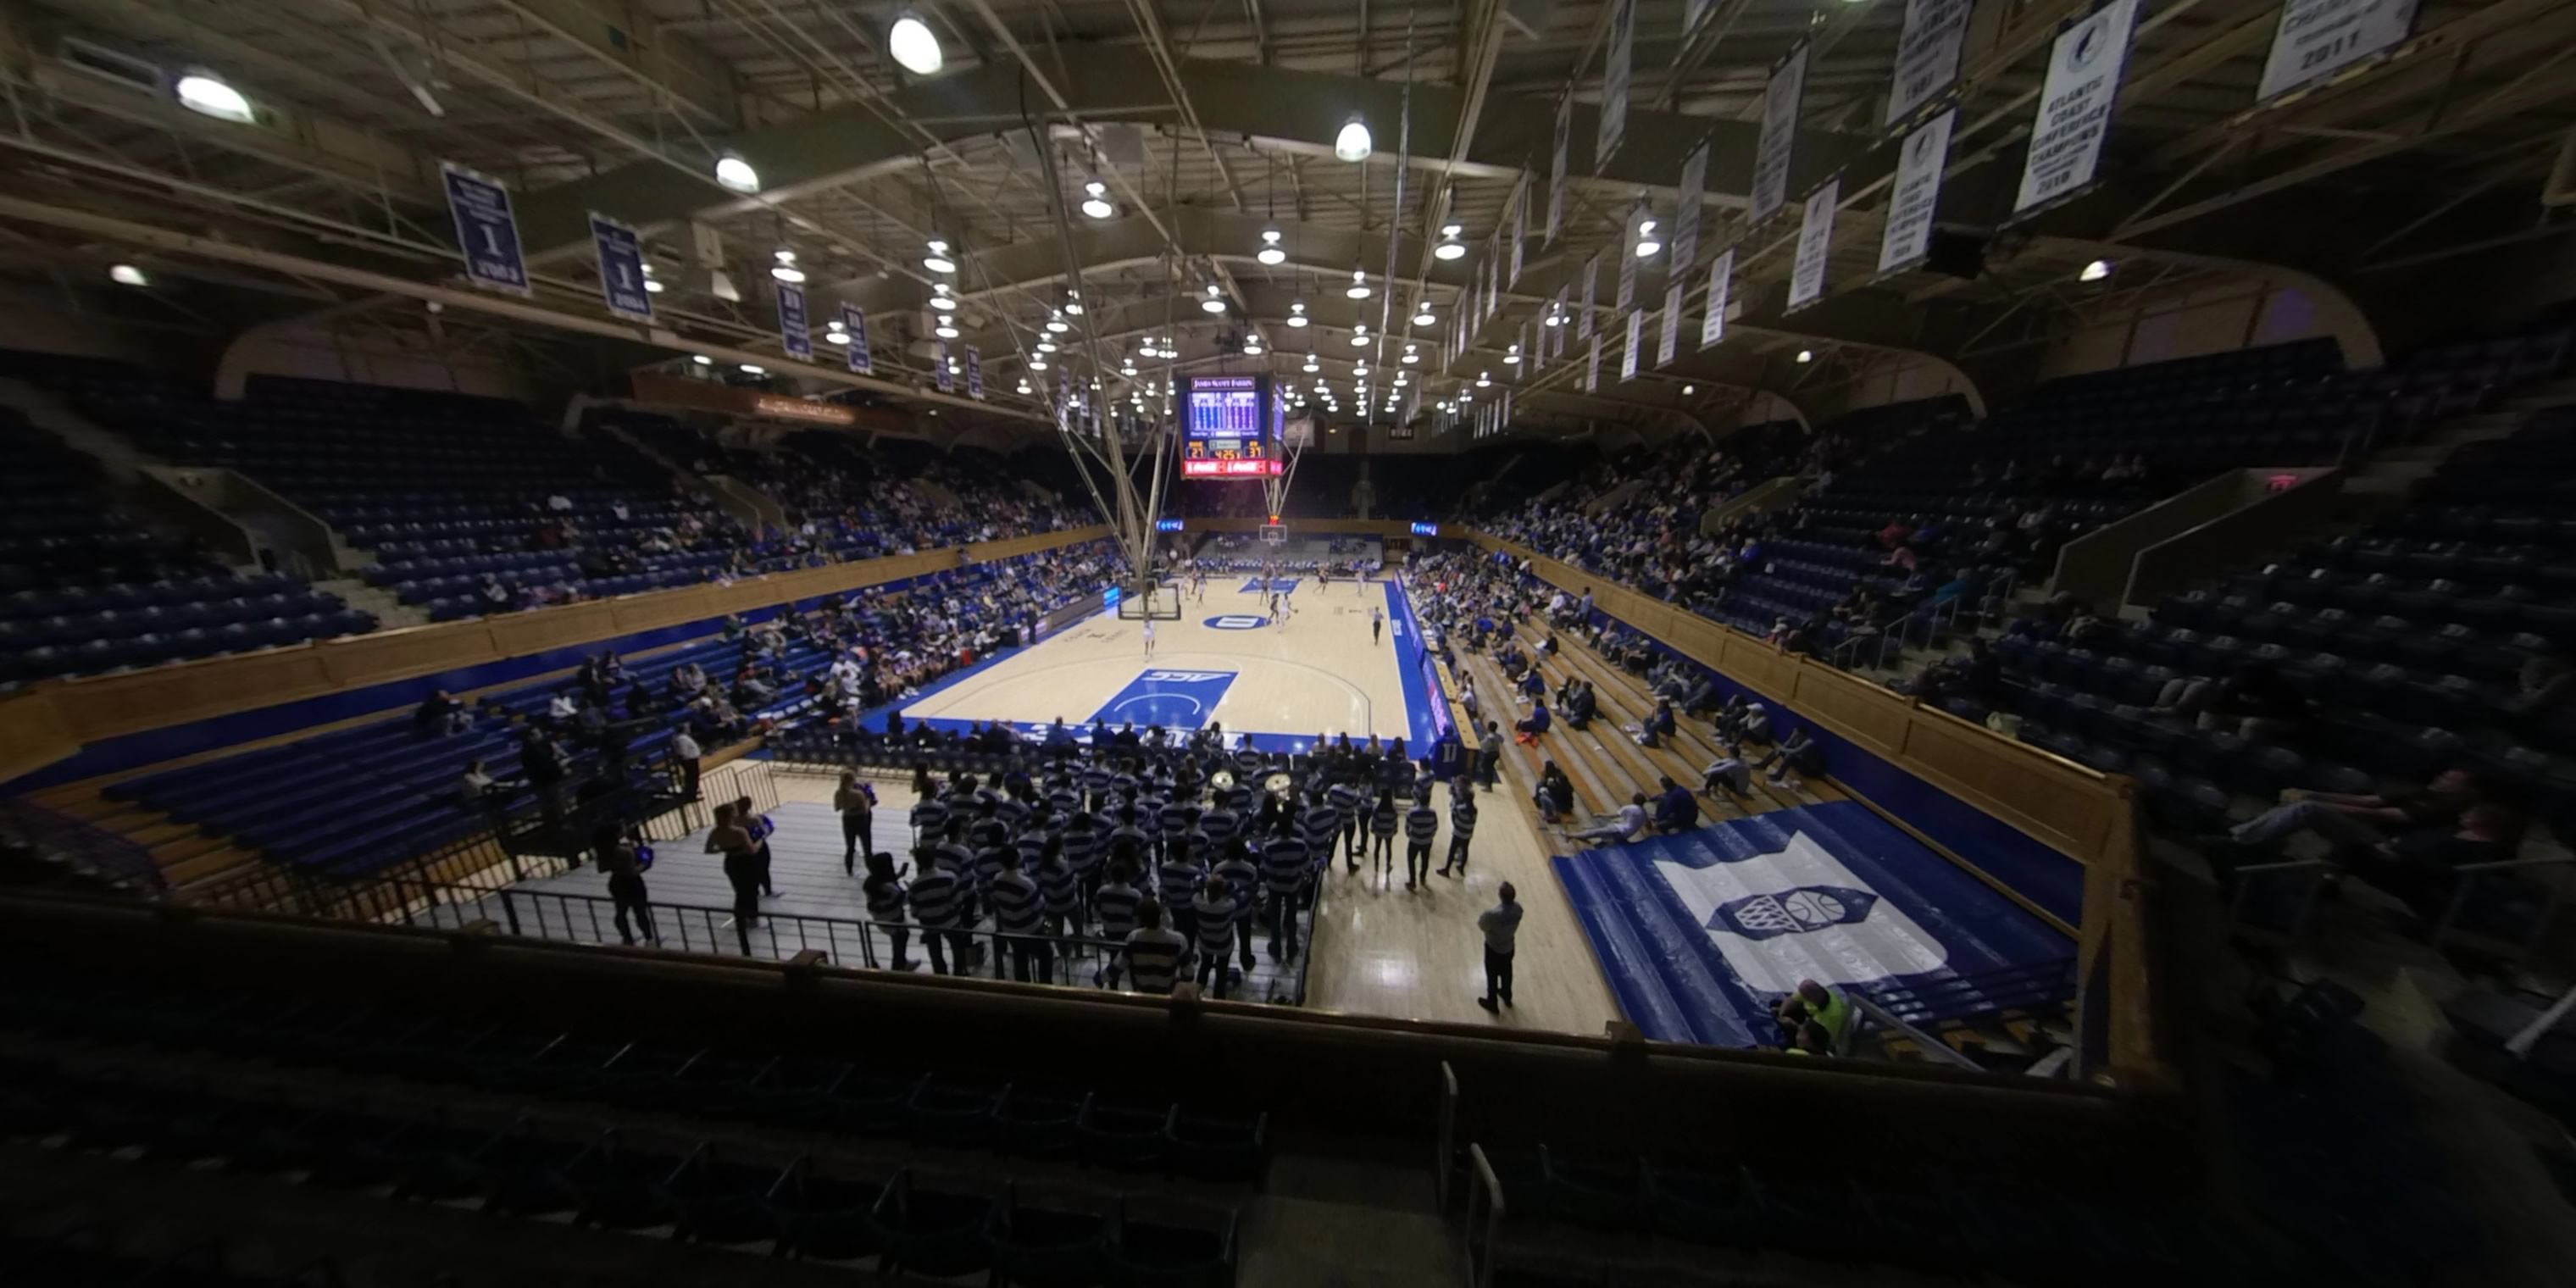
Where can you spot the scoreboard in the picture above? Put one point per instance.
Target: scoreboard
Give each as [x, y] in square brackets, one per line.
[1229, 427]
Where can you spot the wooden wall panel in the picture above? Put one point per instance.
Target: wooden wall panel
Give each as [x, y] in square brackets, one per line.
[1873, 716]
[110, 705]
[33, 733]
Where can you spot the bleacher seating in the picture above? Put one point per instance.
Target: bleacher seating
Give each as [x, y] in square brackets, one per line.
[86, 589]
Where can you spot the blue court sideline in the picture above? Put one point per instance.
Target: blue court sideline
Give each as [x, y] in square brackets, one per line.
[1699, 933]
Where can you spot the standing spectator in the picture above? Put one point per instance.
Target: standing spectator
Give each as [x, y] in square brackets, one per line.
[761, 828]
[1382, 826]
[857, 802]
[741, 870]
[1462, 828]
[885, 891]
[1176, 881]
[442, 715]
[625, 868]
[1153, 953]
[684, 754]
[1214, 909]
[1242, 879]
[1501, 925]
[1061, 887]
[1285, 860]
[1489, 755]
[1421, 823]
[1019, 911]
[938, 898]
[1116, 905]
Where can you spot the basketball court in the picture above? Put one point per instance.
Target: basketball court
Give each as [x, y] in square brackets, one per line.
[1313, 670]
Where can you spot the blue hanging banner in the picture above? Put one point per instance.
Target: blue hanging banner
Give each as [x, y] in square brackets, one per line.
[974, 373]
[939, 367]
[795, 330]
[621, 268]
[855, 321]
[486, 230]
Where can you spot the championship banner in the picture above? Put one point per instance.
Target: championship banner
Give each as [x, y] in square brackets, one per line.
[1592, 366]
[974, 373]
[1917, 195]
[621, 268]
[2075, 105]
[1628, 355]
[1667, 344]
[487, 230]
[1781, 96]
[1927, 56]
[1534, 348]
[1614, 83]
[1493, 287]
[1564, 325]
[1720, 274]
[855, 321]
[1626, 299]
[1686, 203]
[1815, 242]
[1591, 275]
[939, 367]
[795, 329]
[1556, 176]
[2318, 38]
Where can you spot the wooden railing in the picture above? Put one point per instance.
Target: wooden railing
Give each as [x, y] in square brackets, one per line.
[99, 707]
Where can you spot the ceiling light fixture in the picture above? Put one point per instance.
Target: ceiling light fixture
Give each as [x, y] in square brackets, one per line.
[1648, 244]
[788, 273]
[1411, 357]
[1359, 284]
[1422, 314]
[1512, 357]
[912, 43]
[1252, 346]
[1215, 301]
[1270, 253]
[1450, 246]
[946, 330]
[1806, 355]
[2095, 271]
[207, 95]
[754, 369]
[1688, 390]
[1297, 314]
[127, 275]
[653, 285]
[1037, 364]
[1073, 303]
[940, 299]
[736, 174]
[1095, 200]
[1483, 379]
[1353, 143]
[1058, 325]
[702, 360]
[937, 260]
[1046, 346]
[1312, 366]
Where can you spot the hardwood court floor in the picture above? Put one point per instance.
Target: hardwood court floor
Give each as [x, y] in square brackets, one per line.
[1318, 673]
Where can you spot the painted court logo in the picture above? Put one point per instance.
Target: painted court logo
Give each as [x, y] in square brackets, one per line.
[1236, 622]
[1183, 677]
[1790, 912]
[1799, 913]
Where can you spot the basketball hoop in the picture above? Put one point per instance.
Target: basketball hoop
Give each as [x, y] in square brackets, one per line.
[1274, 533]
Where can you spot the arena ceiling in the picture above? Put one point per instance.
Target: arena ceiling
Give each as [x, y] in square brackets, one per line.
[1207, 123]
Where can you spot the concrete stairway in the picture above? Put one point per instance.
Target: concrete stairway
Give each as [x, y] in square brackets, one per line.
[50, 413]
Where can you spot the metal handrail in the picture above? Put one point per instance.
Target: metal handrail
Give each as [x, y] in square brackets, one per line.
[1488, 1194]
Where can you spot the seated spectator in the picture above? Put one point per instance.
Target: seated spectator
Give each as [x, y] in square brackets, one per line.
[1813, 1003]
[2359, 820]
[1629, 824]
[1554, 795]
[2422, 866]
[1797, 752]
[1659, 728]
[1533, 725]
[1730, 772]
[442, 715]
[1676, 810]
[1580, 704]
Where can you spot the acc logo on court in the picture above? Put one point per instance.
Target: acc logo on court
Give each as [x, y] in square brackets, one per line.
[1236, 622]
[1183, 677]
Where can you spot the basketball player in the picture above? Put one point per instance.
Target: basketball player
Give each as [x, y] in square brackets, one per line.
[1277, 617]
[1149, 635]
[1377, 624]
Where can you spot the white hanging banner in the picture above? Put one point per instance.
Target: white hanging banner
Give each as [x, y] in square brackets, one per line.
[1507, 409]
[1917, 195]
[1592, 366]
[1669, 343]
[939, 367]
[1493, 287]
[1627, 252]
[974, 373]
[855, 321]
[1591, 275]
[1780, 98]
[1713, 327]
[1927, 55]
[1564, 326]
[1556, 175]
[2318, 38]
[1686, 203]
[1520, 227]
[1628, 353]
[2075, 105]
[1528, 352]
[1614, 83]
[1815, 239]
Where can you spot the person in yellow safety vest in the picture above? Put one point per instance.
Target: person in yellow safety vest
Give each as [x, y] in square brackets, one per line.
[1813, 1001]
[1812, 1041]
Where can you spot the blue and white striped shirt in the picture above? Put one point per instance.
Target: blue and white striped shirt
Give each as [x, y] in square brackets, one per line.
[1283, 865]
[1017, 903]
[934, 899]
[1421, 823]
[1116, 906]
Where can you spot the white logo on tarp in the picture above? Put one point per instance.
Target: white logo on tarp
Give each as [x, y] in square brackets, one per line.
[1800, 914]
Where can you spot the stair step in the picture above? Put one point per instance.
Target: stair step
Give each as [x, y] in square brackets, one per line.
[207, 866]
[186, 847]
[160, 833]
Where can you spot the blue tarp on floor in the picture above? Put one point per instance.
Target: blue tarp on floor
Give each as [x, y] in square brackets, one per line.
[1699, 933]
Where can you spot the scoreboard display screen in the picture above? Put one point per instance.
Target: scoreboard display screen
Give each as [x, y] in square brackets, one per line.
[1229, 428]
